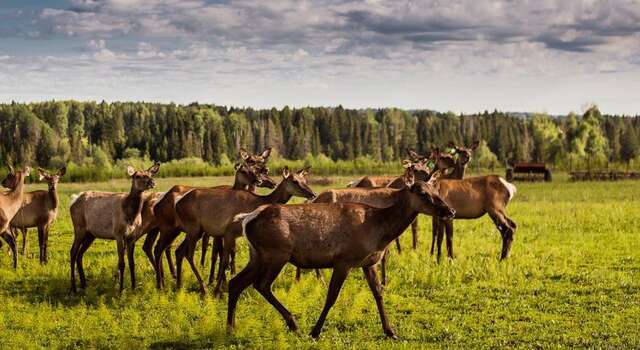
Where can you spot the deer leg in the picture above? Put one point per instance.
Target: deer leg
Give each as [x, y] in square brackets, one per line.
[161, 246]
[180, 253]
[46, 244]
[448, 225]
[340, 273]
[398, 245]
[434, 233]
[376, 289]
[121, 251]
[263, 285]
[236, 286]
[130, 245]
[73, 255]
[232, 261]
[191, 249]
[440, 237]
[383, 264]
[11, 242]
[205, 245]
[216, 250]
[147, 246]
[507, 228]
[298, 274]
[228, 246]
[414, 233]
[41, 239]
[24, 240]
[84, 245]
[319, 275]
[172, 266]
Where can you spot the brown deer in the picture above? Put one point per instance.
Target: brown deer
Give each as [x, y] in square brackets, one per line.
[463, 156]
[112, 216]
[10, 204]
[379, 197]
[247, 176]
[474, 197]
[39, 209]
[212, 211]
[340, 236]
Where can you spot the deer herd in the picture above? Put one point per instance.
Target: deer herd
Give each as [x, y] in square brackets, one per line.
[338, 229]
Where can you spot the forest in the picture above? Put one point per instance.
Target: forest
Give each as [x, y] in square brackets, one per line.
[92, 137]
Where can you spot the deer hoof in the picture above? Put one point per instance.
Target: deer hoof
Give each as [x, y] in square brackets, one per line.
[391, 334]
[291, 323]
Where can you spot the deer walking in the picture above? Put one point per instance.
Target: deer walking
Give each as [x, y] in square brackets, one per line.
[39, 209]
[112, 216]
[213, 210]
[10, 204]
[340, 236]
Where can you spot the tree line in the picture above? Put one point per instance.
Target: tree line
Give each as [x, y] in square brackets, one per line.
[53, 133]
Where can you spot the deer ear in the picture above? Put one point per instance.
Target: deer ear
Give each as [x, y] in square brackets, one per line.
[406, 163]
[154, 169]
[434, 179]
[243, 154]
[236, 166]
[305, 171]
[130, 170]
[11, 168]
[475, 145]
[41, 174]
[409, 177]
[26, 171]
[266, 153]
[62, 171]
[286, 172]
[413, 155]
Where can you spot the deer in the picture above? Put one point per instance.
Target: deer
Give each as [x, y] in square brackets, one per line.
[111, 216]
[379, 197]
[39, 209]
[247, 176]
[10, 204]
[463, 156]
[213, 210]
[340, 236]
[472, 198]
[439, 160]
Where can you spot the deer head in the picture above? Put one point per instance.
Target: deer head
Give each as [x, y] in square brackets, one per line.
[51, 179]
[464, 153]
[296, 182]
[142, 180]
[257, 163]
[15, 178]
[424, 195]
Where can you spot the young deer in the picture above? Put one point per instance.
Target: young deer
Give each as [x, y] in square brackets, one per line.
[212, 211]
[463, 157]
[165, 216]
[10, 204]
[112, 216]
[340, 236]
[39, 209]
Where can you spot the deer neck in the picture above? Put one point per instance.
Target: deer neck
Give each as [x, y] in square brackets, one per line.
[132, 205]
[394, 219]
[279, 195]
[458, 171]
[53, 196]
[238, 184]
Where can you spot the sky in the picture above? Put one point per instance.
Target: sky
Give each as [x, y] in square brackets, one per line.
[553, 56]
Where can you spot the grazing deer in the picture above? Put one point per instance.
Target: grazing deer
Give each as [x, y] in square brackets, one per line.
[212, 211]
[10, 204]
[474, 197]
[463, 157]
[112, 216]
[39, 209]
[339, 236]
[164, 210]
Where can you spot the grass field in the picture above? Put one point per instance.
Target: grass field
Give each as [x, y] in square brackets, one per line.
[573, 280]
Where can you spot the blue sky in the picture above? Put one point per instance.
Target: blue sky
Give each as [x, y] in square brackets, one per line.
[464, 56]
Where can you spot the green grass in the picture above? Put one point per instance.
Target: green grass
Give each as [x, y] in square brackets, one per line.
[573, 280]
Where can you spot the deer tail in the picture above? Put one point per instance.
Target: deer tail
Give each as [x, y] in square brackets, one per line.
[511, 188]
[246, 218]
[74, 197]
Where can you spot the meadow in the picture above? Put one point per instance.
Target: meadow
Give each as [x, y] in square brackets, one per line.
[573, 280]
